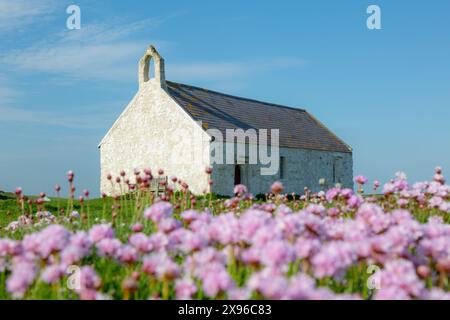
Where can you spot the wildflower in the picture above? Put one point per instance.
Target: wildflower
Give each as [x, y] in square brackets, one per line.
[216, 280]
[185, 288]
[158, 211]
[332, 194]
[269, 282]
[52, 274]
[276, 253]
[72, 254]
[333, 259]
[89, 279]
[189, 215]
[22, 276]
[150, 263]
[129, 286]
[75, 215]
[301, 287]
[108, 247]
[50, 240]
[400, 280]
[239, 294]
[376, 185]
[361, 180]
[127, 254]
[18, 191]
[277, 187]
[137, 227]
[168, 225]
[100, 232]
[70, 175]
[141, 242]
[240, 189]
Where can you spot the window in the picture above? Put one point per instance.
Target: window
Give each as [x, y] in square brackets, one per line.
[282, 167]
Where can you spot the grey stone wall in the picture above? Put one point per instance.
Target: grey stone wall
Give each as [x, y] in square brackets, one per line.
[303, 168]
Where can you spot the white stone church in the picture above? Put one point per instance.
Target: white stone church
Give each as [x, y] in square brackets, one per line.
[169, 125]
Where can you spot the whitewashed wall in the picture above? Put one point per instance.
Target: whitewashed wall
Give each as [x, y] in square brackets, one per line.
[153, 131]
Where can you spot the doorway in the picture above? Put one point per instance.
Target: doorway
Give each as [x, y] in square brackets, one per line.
[237, 174]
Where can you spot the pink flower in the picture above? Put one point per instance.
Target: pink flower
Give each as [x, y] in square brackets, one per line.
[301, 287]
[150, 263]
[270, 283]
[240, 189]
[215, 280]
[239, 294]
[355, 201]
[141, 242]
[88, 279]
[189, 215]
[18, 191]
[52, 274]
[70, 175]
[167, 269]
[168, 225]
[400, 280]
[185, 288]
[223, 229]
[137, 227]
[276, 253]
[71, 255]
[100, 232]
[194, 242]
[305, 248]
[333, 259]
[127, 254]
[277, 187]
[436, 294]
[159, 211]
[22, 276]
[332, 194]
[376, 184]
[108, 247]
[361, 180]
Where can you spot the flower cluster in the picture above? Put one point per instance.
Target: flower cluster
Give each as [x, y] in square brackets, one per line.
[275, 250]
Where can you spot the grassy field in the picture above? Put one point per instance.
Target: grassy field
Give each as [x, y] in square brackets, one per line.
[179, 246]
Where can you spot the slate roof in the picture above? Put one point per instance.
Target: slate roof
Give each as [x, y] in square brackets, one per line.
[298, 129]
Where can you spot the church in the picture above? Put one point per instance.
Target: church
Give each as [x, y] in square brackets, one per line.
[175, 126]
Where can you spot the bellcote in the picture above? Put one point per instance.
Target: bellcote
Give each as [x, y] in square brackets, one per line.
[144, 68]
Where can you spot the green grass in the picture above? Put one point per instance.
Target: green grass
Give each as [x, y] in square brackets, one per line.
[130, 211]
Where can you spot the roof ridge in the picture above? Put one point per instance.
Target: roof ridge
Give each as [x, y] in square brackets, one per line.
[237, 97]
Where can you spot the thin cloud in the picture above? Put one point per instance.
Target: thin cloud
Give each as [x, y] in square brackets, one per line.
[231, 69]
[96, 51]
[7, 93]
[16, 14]
[82, 121]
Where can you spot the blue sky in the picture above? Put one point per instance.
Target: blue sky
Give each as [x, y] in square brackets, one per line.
[385, 92]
